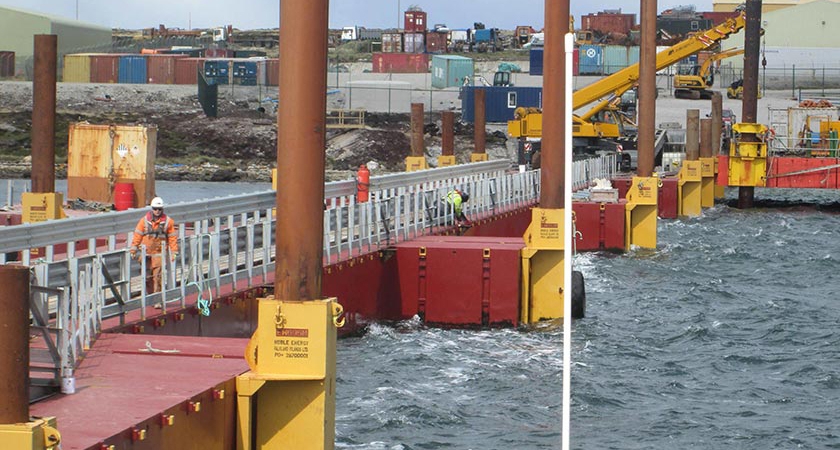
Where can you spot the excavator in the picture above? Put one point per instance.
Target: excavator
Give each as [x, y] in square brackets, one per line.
[695, 83]
[603, 129]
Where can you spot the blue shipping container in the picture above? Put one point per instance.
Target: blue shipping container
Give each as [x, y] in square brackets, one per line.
[591, 60]
[536, 57]
[500, 102]
[217, 71]
[245, 73]
[132, 69]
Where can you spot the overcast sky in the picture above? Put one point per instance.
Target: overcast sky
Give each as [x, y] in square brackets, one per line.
[251, 14]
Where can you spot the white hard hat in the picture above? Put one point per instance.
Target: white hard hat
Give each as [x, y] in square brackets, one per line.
[157, 202]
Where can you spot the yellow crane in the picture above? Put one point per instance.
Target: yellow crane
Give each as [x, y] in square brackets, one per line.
[601, 128]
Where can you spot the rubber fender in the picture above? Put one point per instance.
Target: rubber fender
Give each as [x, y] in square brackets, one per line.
[578, 295]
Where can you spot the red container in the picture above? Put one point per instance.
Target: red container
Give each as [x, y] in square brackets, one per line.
[160, 69]
[436, 42]
[601, 225]
[808, 174]
[400, 63]
[415, 21]
[124, 197]
[272, 72]
[218, 53]
[186, 70]
[105, 68]
[7, 64]
[459, 280]
[576, 62]
[668, 200]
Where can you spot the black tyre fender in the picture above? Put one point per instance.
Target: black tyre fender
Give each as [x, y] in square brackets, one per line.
[578, 295]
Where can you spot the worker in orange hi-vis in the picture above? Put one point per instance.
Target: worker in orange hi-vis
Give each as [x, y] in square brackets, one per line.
[151, 231]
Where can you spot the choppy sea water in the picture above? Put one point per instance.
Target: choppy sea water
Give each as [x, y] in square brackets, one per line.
[727, 336]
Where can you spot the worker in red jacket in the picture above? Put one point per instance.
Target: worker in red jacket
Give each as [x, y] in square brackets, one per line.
[151, 231]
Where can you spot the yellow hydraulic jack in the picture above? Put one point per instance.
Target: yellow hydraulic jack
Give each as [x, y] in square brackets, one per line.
[707, 185]
[640, 213]
[39, 434]
[748, 159]
[287, 399]
[689, 189]
[543, 259]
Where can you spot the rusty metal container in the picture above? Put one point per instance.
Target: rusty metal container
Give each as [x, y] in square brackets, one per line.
[7, 64]
[432, 273]
[436, 42]
[414, 43]
[392, 42]
[105, 68]
[76, 68]
[415, 21]
[99, 156]
[608, 22]
[272, 72]
[400, 63]
[187, 69]
[160, 68]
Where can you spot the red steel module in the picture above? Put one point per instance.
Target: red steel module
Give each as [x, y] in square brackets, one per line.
[601, 225]
[452, 280]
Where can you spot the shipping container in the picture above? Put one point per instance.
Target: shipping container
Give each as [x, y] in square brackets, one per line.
[189, 52]
[218, 53]
[272, 72]
[451, 70]
[400, 63]
[105, 68]
[436, 42]
[414, 43]
[392, 42]
[248, 53]
[535, 56]
[373, 34]
[217, 71]
[187, 69]
[415, 22]
[576, 62]
[160, 69]
[7, 64]
[608, 22]
[500, 102]
[633, 55]
[76, 68]
[615, 58]
[591, 59]
[132, 69]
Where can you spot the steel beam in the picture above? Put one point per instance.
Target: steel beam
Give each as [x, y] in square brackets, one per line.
[43, 114]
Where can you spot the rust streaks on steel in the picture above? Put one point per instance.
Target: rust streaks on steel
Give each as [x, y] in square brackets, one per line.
[692, 134]
[553, 153]
[480, 120]
[43, 113]
[417, 145]
[706, 138]
[447, 120]
[717, 122]
[301, 143]
[14, 355]
[647, 89]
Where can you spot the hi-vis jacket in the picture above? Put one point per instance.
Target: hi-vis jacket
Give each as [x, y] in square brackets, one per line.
[454, 198]
[151, 232]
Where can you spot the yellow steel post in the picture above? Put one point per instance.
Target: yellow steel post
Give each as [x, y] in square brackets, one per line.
[640, 213]
[291, 384]
[543, 259]
[688, 189]
[478, 157]
[39, 434]
[446, 160]
[707, 185]
[415, 163]
[40, 207]
[747, 159]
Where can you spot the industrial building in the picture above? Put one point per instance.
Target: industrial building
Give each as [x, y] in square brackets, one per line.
[804, 36]
[17, 28]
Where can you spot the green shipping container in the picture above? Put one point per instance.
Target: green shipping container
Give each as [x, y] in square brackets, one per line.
[76, 68]
[451, 70]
